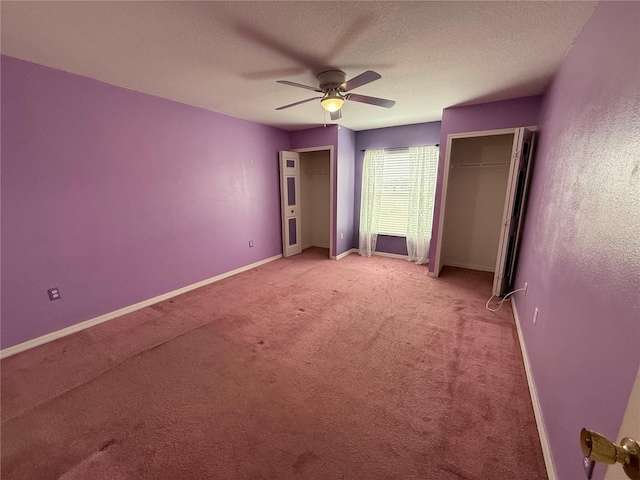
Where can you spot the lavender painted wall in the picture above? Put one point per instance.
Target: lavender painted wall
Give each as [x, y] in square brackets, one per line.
[390, 244]
[116, 196]
[518, 112]
[346, 183]
[315, 137]
[580, 251]
[404, 136]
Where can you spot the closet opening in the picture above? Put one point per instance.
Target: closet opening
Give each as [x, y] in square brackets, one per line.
[315, 199]
[484, 189]
[478, 176]
[307, 193]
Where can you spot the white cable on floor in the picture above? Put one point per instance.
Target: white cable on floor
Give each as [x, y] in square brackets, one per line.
[503, 300]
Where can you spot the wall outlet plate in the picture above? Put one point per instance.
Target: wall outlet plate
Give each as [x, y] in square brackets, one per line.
[54, 293]
[250, 243]
[588, 466]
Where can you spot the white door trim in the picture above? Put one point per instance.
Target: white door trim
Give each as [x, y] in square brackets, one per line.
[332, 170]
[445, 180]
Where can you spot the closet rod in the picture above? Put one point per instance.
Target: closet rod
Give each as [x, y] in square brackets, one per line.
[470, 165]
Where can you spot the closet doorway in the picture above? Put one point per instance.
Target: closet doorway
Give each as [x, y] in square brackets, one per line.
[315, 197]
[313, 208]
[484, 188]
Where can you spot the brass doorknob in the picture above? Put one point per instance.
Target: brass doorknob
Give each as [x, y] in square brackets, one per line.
[600, 449]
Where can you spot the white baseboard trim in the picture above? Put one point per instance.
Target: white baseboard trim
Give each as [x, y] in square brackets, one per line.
[21, 347]
[344, 254]
[537, 411]
[468, 266]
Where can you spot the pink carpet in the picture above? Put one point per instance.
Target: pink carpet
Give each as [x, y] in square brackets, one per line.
[364, 368]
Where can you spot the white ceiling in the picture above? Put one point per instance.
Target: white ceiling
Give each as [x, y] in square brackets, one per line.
[226, 56]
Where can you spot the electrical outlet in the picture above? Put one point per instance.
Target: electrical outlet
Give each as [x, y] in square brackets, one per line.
[250, 243]
[535, 315]
[341, 236]
[526, 285]
[54, 293]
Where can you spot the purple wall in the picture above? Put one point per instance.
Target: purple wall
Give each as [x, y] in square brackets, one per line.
[346, 182]
[115, 197]
[403, 136]
[518, 112]
[315, 137]
[580, 252]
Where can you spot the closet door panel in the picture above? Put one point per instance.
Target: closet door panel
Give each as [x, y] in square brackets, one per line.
[290, 203]
[513, 209]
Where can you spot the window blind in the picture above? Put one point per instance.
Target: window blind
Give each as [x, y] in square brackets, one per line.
[394, 203]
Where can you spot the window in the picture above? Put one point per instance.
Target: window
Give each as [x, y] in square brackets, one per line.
[398, 191]
[394, 194]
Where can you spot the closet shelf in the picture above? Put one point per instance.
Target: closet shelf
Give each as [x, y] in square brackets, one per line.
[479, 165]
[315, 172]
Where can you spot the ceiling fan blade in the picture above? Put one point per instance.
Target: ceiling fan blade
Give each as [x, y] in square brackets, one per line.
[336, 115]
[273, 74]
[362, 79]
[264, 39]
[380, 102]
[294, 84]
[298, 103]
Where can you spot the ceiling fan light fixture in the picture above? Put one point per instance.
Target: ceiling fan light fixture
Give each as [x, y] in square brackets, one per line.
[332, 101]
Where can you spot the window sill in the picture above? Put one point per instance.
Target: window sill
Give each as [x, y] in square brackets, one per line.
[403, 235]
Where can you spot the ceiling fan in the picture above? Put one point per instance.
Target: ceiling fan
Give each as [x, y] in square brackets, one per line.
[336, 90]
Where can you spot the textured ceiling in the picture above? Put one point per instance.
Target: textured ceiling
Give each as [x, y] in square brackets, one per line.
[226, 56]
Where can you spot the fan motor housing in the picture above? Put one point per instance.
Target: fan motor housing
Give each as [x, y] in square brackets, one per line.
[331, 79]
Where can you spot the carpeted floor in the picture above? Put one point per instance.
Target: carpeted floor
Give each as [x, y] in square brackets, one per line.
[364, 368]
